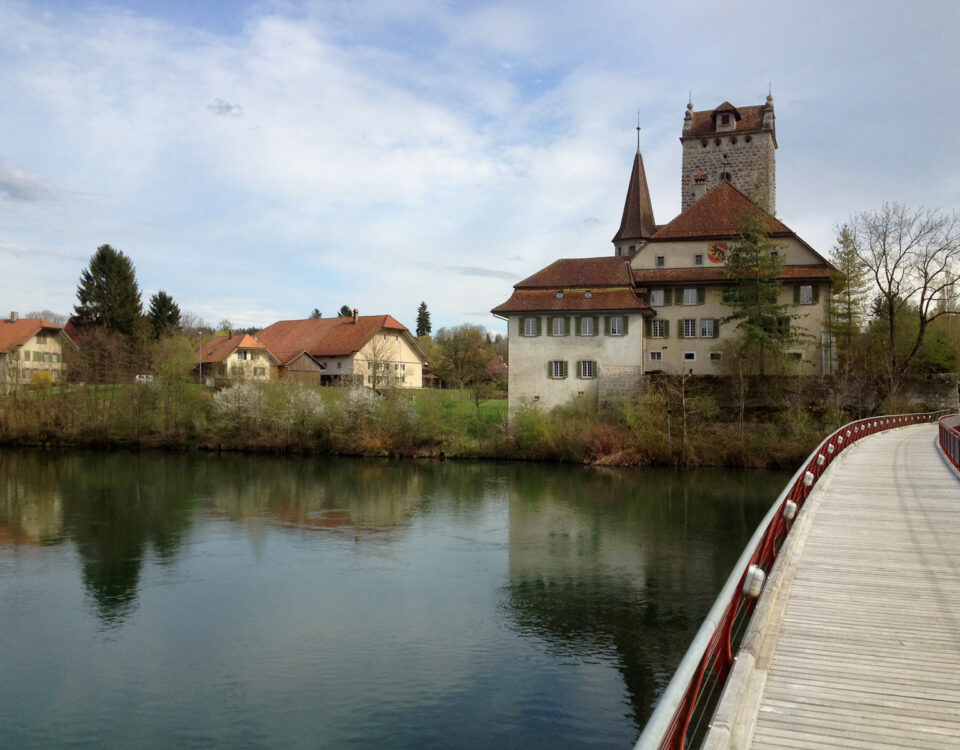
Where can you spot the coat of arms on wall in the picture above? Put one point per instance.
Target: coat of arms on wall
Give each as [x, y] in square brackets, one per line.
[717, 252]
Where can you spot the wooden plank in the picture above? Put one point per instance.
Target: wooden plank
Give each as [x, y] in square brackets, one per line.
[868, 649]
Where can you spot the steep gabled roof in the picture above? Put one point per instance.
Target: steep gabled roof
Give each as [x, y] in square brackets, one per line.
[718, 214]
[219, 348]
[14, 333]
[637, 222]
[325, 337]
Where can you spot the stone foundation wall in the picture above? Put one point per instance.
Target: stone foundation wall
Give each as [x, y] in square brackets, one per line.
[618, 380]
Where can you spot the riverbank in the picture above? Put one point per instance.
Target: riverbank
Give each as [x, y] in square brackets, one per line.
[432, 424]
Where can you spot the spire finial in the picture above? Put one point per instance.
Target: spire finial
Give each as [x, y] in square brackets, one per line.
[638, 130]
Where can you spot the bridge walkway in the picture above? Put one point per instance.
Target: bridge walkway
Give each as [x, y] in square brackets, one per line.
[864, 648]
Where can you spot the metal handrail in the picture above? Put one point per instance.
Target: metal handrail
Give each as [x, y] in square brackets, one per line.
[949, 439]
[677, 719]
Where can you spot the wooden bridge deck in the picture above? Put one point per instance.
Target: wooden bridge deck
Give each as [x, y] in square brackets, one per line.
[865, 649]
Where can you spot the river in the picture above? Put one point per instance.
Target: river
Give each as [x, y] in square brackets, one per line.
[171, 600]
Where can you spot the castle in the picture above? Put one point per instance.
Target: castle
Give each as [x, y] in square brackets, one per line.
[591, 327]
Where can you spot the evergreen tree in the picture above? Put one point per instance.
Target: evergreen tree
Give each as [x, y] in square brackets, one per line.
[754, 269]
[108, 292]
[423, 320]
[164, 314]
[316, 314]
[849, 296]
[345, 312]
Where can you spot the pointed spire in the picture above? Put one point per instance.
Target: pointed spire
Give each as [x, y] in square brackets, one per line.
[637, 222]
[638, 130]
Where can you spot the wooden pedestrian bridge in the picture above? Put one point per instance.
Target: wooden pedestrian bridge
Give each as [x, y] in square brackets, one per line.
[840, 624]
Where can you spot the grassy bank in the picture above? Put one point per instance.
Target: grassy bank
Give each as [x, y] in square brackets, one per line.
[648, 429]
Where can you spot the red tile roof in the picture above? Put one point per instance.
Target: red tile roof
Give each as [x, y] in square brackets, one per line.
[750, 118]
[14, 333]
[324, 337]
[656, 276]
[219, 348]
[546, 300]
[637, 222]
[607, 270]
[718, 214]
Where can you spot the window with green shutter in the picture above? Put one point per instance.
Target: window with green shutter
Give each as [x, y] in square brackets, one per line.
[556, 369]
[530, 326]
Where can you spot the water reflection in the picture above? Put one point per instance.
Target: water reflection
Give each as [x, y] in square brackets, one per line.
[627, 566]
[580, 566]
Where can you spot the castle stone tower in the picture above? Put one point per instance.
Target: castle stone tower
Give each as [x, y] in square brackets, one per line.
[742, 141]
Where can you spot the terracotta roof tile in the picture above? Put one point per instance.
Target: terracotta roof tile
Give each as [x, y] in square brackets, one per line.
[655, 276]
[14, 333]
[219, 348]
[324, 337]
[545, 300]
[637, 222]
[718, 214]
[607, 270]
[751, 118]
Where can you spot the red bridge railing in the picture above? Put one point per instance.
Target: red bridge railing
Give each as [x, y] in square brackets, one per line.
[682, 715]
[950, 439]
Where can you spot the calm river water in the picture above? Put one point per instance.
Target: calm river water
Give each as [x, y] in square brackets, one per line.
[202, 601]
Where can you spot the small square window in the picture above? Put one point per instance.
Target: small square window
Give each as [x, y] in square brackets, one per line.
[656, 356]
[698, 260]
[689, 356]
[660, 261]
[716, 356]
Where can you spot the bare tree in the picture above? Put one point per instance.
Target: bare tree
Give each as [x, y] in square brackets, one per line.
[913, 257]
[379, 353]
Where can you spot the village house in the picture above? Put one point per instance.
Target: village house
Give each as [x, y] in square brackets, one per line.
[591, 327]
[369, 350]
[29, 346]
[236, 356]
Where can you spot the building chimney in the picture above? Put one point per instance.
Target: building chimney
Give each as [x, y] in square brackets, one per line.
[14, 316]
[356, 312]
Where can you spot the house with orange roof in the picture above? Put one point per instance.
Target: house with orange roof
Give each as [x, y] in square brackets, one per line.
[29, 346]
[235, 356]
[368, 350]
[589, 327]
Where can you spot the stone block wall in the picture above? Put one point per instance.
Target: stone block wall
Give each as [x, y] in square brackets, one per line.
[618, 380]
[751, 164]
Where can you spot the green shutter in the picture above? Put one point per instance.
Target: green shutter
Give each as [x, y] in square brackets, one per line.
[596, 369]
[701, 295]
[566, 326]
[578, 327]
[783, 325]
[549, 368]
[626, 324]
[648, 328]
[816, 293]
[716, 328]
[550, 325]
[680, 328]
[666, 329]
[539, 325]
[667, 297]
[596, 325]
[564, 369]
[606, 325]
[579, 369]
[796, 294]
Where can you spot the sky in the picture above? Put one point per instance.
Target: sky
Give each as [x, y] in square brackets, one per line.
[259, 159]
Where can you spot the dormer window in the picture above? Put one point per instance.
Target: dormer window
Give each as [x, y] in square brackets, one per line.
[560, 294]
[724, 119]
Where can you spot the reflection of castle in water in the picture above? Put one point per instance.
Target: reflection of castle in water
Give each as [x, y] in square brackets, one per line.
[611, 567]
